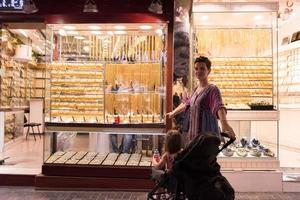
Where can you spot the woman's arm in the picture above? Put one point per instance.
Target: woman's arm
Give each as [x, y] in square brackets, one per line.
[226, 128]
[177, 110]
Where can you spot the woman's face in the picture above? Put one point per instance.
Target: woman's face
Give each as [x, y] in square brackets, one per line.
[201, 71]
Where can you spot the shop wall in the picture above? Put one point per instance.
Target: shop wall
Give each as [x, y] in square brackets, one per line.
[289, 128]
[289, 26]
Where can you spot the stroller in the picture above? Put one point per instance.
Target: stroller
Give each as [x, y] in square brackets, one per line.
[195, 174]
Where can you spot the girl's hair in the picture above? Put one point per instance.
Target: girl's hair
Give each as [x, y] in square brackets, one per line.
[204, 60]
[173, 142]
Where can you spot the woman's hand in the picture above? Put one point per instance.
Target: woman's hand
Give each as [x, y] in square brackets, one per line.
[226, 128]
[169, 115]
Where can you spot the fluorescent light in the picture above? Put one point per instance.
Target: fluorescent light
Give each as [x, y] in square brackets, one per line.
[145, 27]
[23, 32]
[204, 18]
[78, 37]
[69, 27]
[119, 27]
[110, 33]
[94, 27]
[86, 41]
[120, 32]
[258, 17]
[96, 32]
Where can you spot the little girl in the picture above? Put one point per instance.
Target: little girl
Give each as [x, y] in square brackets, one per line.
[173, 145]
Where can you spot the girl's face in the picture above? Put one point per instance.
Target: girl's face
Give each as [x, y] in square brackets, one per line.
[201, 71]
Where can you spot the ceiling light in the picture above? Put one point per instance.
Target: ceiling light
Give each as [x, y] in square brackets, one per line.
[69, 27]
[62, 32]
[145, 27]
[119, 27]
[110, 33]
[96, 32]
[120, 32]
[159, 31]
[29, 7]
[78, 37]
[90, 6]
[72, 32]
[94, 27]
[204, 18]
[86, 41]
[258, 17]
[156, 7]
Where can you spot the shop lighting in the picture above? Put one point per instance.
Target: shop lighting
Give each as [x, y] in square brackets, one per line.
[69, 27]
[156, 7]
[86, 48]
[96, 32]
[258, 17]
[29, 7]
[120, 32]
[204, 18]
[72, 32]
[119, 27]
[62, 32]
[110, 33]
[90, 6]
[94, 27]
[159, 31]
[78, 37]
[145, 27]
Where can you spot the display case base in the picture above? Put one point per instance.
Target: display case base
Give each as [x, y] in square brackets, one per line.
[128, 172]
[92, 183]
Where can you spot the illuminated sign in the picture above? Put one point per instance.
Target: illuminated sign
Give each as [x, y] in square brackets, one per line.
[11, 5]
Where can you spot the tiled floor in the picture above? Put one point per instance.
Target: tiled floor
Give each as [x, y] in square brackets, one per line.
[24, 193]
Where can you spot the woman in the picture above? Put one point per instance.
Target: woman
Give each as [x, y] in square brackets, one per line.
[206, 105]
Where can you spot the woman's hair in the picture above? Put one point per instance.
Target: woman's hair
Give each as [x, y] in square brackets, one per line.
[204, 60]
[173, 142]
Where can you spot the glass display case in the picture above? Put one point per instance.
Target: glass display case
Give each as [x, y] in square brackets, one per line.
[244, 66]
[243, 55]
[104, 100]
[256, 147]
[132, 148]
[106, 74]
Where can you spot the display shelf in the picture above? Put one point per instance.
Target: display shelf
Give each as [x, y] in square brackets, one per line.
[244, 75]
[69, 96]
[243, 81]
[289, 77]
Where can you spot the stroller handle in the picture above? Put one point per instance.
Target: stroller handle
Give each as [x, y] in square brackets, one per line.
[227, 143]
